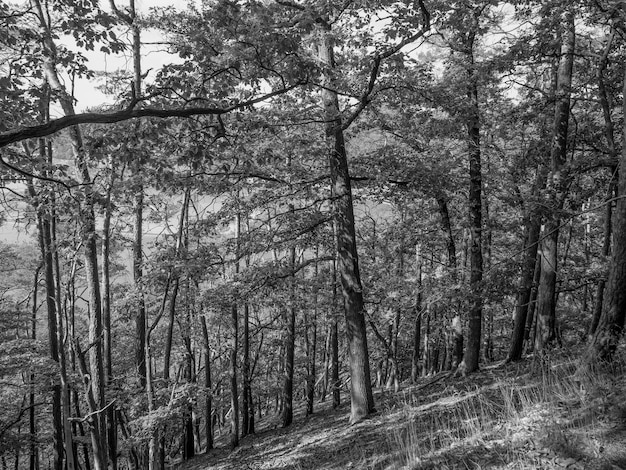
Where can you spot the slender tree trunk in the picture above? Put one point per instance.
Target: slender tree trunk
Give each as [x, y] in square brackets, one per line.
[533, 228]
[65, 386]
[609, 133]
[326, 356]
[87, 216]
[415, 366]
[546, 295]
[456, 329]
[106, 312]
[290, 342]
[33, 455]
[245, 402]
[530, 327]
[140, 307]
[175, 275]
[234, 349]
[45, 242]
[362, 399]
[606, 251]
[334, 341]
[208, 403]
[311, 344]
[472, 352]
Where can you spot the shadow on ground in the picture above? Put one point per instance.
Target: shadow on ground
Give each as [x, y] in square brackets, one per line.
[445, 422]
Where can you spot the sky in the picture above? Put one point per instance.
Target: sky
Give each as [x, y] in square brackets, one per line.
[153, 57]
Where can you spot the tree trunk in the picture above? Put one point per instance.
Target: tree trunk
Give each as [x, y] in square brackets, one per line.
[609, 133]
[234, 349]
[33, 455]
[455, 325]
[311, 343]
[106, 311]
[418, 315]
[606, 251]
[611, 325]
[87, 216]
[208, 405]
[45, 242]
[556, 187]
[175, 275]
[140, 306]
[533, 228]
[245, 402]
[362, 399]
[290, 341]
[472, 352]
[334, 341]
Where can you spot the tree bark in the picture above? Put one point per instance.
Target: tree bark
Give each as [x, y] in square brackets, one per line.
[234, 349]
[606, 251]
[531, 243]
[556, 187]
[455, 326]
[609, 134]
[246, 393]
[33, 455]
[362, 399]
[106, 311]
[334, 341]
[167, 354]
[290, 342]
[311, 344]
[472, 352]
[208, 403]
[415, 365]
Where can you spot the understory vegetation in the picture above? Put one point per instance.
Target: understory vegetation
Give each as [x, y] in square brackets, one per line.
[528, 415]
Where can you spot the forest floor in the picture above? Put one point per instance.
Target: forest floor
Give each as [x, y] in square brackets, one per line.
[507, 416]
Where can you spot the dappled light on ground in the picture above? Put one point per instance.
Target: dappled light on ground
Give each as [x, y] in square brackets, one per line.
[506, 416]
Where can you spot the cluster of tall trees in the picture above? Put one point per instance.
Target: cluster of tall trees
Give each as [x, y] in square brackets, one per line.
[312, 196]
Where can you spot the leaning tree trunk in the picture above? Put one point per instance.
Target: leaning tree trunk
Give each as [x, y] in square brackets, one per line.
[362, 399]
[556, 187]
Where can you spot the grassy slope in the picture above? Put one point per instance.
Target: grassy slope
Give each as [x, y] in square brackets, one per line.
[506, 416]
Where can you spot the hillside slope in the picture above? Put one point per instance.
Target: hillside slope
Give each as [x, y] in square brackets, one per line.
[506, 416]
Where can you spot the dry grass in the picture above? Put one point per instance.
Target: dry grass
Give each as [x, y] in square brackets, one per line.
[555, 416]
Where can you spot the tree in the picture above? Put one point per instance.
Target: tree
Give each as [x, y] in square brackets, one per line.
[556, 188]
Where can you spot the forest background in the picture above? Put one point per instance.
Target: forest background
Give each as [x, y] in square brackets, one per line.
[194, 266]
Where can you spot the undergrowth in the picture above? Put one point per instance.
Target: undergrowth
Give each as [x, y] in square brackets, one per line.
[558, 415]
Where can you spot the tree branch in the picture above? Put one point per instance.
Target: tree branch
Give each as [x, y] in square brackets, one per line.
[377, 60]
[56, 125]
